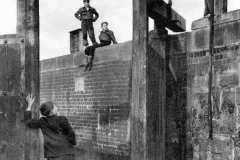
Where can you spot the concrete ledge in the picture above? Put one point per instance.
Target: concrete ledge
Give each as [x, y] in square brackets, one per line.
[198, 40]
[223, 18]
[121, 52]
[8, 38]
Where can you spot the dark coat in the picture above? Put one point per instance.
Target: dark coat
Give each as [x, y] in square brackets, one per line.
[82, 14]
[107, 36]
[58, 135]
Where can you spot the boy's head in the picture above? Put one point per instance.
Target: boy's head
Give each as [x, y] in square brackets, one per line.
[86, 3]
[48, 108]
[104, 26]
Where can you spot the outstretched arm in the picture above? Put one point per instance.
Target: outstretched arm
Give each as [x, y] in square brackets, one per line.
[32, 123]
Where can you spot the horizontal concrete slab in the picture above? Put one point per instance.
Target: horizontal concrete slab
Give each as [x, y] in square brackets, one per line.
[159, 10]
[8, 39]
[121, 52]
[222, 18]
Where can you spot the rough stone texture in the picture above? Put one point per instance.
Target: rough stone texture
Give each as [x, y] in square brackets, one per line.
[220, 19]
[194, 48]
[229, 80]
[99, 111]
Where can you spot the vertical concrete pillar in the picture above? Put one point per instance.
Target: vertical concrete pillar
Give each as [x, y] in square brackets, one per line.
[158, 41]
[28, 39]
[220, 6]
[158, 38]
[76, 41]
[28, 36]
[139, 81]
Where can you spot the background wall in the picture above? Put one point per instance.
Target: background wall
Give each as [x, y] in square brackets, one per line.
[97, 103]
[190, 53]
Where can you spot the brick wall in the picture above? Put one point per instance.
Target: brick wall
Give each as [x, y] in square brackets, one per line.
[97, 103]
[189, 104]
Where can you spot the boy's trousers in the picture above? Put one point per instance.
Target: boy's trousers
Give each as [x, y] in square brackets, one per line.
[87, 26]
[89, 51]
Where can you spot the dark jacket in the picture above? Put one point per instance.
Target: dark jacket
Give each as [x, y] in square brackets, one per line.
[82, 13]
[59, 136]
[107, 35]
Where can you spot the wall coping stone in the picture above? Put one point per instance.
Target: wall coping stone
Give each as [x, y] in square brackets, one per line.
[121, 51]
[220, 19]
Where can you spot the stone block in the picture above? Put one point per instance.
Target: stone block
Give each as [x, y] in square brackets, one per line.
[237, 153]
[49, 64]
[238, 97]
[200, 84]
[65, 61]
[229, 80]
[223, 18]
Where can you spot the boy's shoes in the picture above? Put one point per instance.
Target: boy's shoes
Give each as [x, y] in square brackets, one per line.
[84, 47]
[89, 64]
[85, 62]
[85, 42]
[94, 44]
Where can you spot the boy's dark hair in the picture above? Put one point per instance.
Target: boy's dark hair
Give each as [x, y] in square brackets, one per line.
[86, 1]
[104, 23]
[46, 108]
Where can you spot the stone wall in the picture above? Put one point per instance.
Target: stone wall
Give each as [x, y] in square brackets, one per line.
[97, 103]
[190, 54]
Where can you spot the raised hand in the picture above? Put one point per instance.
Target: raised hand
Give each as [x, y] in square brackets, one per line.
[30, 101]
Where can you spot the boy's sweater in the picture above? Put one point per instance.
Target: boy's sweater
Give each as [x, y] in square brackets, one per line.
[59, 136]
[107, 35]
[85, 14]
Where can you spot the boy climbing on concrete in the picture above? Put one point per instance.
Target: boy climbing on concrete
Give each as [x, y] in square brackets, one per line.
[58, 135]
[85, 14]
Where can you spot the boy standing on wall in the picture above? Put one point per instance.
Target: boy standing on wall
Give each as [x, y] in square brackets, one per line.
[58, 135]
[85, 14]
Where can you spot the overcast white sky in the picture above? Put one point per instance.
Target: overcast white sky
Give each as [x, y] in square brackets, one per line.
[57, 19]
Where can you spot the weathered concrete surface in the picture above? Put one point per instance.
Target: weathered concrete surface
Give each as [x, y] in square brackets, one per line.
[100, 112]
[119, 51]
[190, 52]
[219, 19]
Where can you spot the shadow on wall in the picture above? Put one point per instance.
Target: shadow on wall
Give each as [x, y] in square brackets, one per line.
[114, 114]
[176, 101]
[111, 138]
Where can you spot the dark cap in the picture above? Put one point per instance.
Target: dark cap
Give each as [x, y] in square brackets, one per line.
[46, 108]
[86, 1]
[104, 23]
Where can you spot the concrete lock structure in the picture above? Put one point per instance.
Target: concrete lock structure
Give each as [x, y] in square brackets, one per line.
[143, 99]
